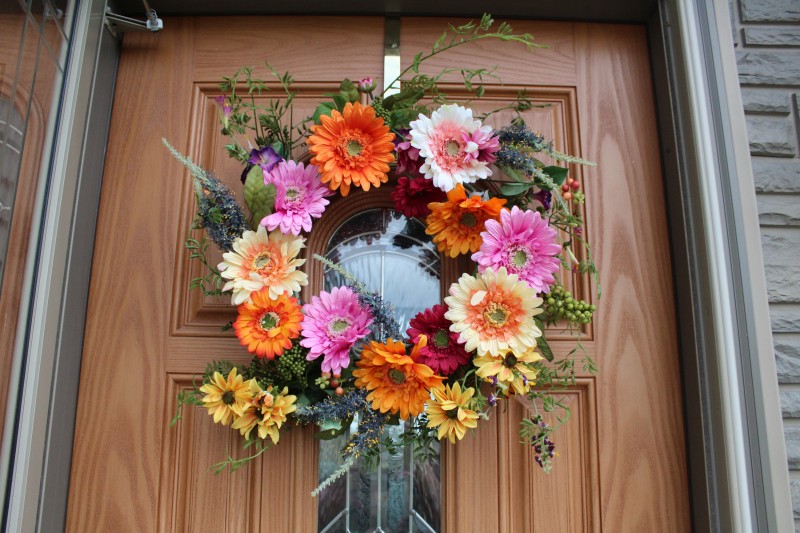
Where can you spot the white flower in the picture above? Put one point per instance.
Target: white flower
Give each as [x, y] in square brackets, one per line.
[261, 260]
[445, 142]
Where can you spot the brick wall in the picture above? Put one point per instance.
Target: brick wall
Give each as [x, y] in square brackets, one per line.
[767, 38]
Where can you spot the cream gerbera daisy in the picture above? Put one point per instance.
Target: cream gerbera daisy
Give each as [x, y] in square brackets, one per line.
[446, 141]
[260, 259]
[493, 312]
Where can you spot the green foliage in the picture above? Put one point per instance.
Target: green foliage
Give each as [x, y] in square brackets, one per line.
[259, 198]
[211, 283]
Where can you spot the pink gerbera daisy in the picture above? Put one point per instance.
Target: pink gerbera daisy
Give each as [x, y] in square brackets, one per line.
[522, 242]
[443, 353]
[446, 141]
[334, 322]
[412, 196]
[300, 196]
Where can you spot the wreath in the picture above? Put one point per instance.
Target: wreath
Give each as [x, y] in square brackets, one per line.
[342, 356]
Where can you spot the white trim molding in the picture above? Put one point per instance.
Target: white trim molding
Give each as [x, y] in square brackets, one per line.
[740, 365]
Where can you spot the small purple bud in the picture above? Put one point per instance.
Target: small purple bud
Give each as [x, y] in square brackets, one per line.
[492, 399]
[224, 104]
[524, 380]
[493, 379]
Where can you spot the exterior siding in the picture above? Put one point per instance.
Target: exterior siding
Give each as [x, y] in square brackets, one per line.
[766, 34]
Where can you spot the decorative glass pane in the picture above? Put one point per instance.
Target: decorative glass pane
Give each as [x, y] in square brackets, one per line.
[390, 254]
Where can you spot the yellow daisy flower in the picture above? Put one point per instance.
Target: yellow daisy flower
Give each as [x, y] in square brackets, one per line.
[448, 411]
[267, 411]
[226, 399]
[510, 369]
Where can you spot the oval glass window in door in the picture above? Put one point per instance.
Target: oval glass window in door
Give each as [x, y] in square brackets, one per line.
[391, 254]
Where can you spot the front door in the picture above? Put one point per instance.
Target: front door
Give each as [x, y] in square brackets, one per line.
[622, 464]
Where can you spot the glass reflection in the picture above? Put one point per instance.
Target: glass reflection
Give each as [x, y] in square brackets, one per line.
[391, 254]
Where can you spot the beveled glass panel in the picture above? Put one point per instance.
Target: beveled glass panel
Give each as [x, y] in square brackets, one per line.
[390, 254]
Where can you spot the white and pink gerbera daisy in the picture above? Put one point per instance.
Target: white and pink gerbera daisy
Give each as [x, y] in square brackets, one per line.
[300, 196]
[493, 313]
[456, 148]
[522, 242]
[334, 322]
[262, 260]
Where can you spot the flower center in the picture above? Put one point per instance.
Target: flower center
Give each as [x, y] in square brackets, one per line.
[510, 360]
[263, 261]
[453, 147]
[269, 321]
[353, 148]
[292, 193]
[469, 220]
[441, 339]
[496, 315]
[452, 413]
[519, 258]
[398, 377]
[338, 326]
[266, 400]
[228, 398]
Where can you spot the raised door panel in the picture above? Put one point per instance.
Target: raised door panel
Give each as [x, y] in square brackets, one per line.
[146, 334]
[622, 464]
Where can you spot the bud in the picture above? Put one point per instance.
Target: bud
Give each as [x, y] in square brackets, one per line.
[366, 85]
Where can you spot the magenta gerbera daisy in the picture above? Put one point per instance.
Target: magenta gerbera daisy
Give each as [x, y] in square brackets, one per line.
[446, 141]
[300, 196]
[408, 159]
[412, 196]
[443, 353]
[334, 322]
[522, 242]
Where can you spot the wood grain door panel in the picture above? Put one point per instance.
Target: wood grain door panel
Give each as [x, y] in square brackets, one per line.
[622, 460]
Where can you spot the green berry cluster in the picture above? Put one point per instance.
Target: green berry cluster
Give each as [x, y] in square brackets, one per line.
[380, 110]
[284, 370]
[560, 305]
[291, 366]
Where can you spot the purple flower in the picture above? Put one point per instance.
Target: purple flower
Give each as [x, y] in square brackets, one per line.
[227, 109]
[408, 159]
[265, 157]
[492, 398]
[545, 198]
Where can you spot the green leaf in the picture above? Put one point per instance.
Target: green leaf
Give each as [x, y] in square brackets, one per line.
[330, 429]
[557, 174]
[512, 173]
[542, 344]
[348, 91]
[513, 189]
[260, 198]
[324, 108]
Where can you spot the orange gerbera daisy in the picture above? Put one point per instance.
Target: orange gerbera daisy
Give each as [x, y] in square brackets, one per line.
[267, 326]
[352, 147]
[456, 224]
[397, 383]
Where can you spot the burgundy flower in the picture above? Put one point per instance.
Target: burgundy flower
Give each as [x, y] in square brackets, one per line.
[412, 196]
[443, 353]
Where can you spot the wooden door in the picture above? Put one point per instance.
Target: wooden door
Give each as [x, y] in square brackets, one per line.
[622, 463]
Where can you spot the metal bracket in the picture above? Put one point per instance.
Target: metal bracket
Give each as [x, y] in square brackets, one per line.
[120, 23]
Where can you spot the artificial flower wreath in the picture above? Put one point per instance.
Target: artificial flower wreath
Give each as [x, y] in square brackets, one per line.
[342, 356]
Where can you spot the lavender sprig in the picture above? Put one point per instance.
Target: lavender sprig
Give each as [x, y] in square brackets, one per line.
[219, 213]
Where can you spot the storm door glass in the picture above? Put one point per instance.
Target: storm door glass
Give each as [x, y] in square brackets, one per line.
[390, 254]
